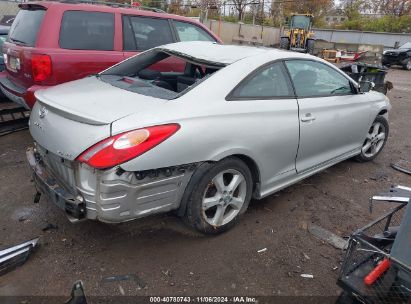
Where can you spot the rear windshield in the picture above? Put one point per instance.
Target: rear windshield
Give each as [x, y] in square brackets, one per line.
[158, 74]
[26, 27]
[87, 31]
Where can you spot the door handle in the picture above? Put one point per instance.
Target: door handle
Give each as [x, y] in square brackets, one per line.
[307, 117]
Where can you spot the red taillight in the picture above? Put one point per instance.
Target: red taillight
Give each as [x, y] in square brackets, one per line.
[40, 67]
[125, 146]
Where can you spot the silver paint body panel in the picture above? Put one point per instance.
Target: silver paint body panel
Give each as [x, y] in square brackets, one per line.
[270, 132]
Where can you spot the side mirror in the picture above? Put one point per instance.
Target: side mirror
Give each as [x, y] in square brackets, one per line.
[366, 86]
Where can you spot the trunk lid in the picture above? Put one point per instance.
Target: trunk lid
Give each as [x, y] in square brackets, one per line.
[92, 101]
[62, 136]
[69, 118]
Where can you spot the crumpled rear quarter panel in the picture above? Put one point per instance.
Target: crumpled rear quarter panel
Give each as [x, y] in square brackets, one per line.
[122, 198]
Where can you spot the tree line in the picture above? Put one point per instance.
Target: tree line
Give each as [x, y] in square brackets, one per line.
[364, 15]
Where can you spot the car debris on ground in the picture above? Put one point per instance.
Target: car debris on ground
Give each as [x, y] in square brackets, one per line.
[402, 166]
[15, 256]
[327, 236]
[77, 295]
[125, 277]
[50, 226]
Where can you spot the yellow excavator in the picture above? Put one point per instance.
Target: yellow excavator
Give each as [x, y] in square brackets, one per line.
[299, 36]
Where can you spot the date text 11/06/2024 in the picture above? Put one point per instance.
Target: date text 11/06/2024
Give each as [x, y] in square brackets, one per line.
[203, 299]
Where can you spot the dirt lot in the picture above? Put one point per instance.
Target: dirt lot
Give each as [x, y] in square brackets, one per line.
[169, 259]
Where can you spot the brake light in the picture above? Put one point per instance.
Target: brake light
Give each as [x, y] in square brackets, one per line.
[40, 67]
[120, 148]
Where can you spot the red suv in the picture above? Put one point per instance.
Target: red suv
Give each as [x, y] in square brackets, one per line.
[50, 43]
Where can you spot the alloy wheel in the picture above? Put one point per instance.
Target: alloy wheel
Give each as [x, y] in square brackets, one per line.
[375, 140]
[224, 197]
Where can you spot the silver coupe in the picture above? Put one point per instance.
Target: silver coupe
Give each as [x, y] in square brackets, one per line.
[198, 128]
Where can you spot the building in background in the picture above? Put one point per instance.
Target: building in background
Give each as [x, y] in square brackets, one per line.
[334, 17]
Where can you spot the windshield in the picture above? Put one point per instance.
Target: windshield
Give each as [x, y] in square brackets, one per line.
[26, 27]
[406, 46]
[300, 22]
[158, 74]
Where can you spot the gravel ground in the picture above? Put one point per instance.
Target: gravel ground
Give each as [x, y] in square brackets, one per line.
[169, 259]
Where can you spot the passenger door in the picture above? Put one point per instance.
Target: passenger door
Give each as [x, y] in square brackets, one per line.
[268, 111]
[143, 33]
[333, 117]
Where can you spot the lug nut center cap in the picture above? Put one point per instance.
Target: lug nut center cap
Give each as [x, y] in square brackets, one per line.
[227, 199]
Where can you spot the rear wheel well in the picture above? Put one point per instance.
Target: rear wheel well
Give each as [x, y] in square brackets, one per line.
[382, 112]
[255, 172]
[205, 166]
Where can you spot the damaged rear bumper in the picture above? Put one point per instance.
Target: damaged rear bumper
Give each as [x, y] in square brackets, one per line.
[47, 184]
[111, 195]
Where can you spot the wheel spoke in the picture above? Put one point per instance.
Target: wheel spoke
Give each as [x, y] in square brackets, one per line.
[376, 128]
[366, 147]
[379, 145]
[373, 149]
[381, 136]
[211, 202]
[218, 216]
[219, 183]
[369, 136]
[236, 203]
[235, 182]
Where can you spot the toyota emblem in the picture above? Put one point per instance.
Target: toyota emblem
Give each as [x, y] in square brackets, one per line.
[42, 112]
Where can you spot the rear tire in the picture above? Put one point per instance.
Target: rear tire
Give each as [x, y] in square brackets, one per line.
[310, 46]
[375, 140]
[219, 196]
[284, 43]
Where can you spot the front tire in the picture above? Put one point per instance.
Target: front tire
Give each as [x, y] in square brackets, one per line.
[407, 65]
[284, 43]
[375, 140]
[219, 197]
[310, 46]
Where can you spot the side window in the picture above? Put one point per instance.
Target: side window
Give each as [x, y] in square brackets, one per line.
[190, 32]
[312, 78]
[143, 33]
[271, 82]
[87, 31]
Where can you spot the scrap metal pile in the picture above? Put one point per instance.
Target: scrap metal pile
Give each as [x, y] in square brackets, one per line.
[377, 265]
[14, 119]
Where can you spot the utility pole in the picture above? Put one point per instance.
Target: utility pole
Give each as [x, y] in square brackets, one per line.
[262, 12]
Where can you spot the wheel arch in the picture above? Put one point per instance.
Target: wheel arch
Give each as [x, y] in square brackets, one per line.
[205, 166]
[246, 156]
[255, 172]
[383, 112]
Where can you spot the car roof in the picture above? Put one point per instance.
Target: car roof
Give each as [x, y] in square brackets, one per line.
[109, 7]
[220, 54]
